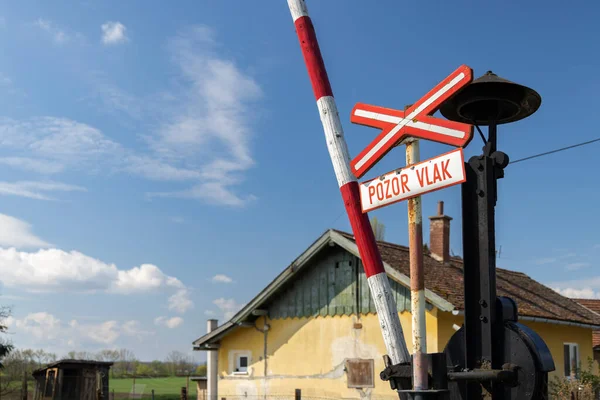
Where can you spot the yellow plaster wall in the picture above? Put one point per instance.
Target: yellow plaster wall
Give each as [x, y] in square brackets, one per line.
[309, 354]
[554, 335]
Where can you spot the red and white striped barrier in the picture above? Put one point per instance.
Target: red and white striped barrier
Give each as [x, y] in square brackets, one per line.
[338, 151]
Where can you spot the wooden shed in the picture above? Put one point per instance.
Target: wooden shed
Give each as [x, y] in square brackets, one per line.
[200, 387]
[72, 380]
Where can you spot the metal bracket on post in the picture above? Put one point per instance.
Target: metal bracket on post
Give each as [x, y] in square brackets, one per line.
[400, 378]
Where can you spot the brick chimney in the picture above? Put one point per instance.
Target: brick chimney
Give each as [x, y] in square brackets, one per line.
[439, 235]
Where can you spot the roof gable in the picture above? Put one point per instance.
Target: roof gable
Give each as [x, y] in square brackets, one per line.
[334, 284]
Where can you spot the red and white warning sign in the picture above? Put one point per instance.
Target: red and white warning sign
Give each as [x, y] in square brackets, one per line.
[416, 121]
[413, 180]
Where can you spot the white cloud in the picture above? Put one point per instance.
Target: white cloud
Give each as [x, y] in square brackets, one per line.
[60, 142]
[180, 301]
[228, 307]
[55, 270]
[10, 90]
[33, 165]
[212, 192]
[210, 313]
[38, 325]
[586, 293]
[113, 33]
[133, 328]
[58, 34]
[35, 190]
[5, 80]
[582, 288]
[214, 122]
[170, 323]
[222, 278]
[113, 98]
[106, 332]
[155, 169]
[17, 233]
[576, 266]
[543, 261]
[144, 278]
[43, 326]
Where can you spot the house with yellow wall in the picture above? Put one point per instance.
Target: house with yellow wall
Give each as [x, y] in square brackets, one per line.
[314, 328]
[593, 305]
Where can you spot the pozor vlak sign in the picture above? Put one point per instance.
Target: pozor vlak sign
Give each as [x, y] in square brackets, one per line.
[414, 180]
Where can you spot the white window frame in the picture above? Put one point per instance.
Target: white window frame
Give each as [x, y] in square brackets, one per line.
[238, 355]
[577, 359]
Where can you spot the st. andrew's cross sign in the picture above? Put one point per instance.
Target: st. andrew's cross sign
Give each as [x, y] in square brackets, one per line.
[417, 121]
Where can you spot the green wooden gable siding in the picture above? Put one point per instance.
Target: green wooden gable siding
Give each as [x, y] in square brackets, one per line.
[335, 284]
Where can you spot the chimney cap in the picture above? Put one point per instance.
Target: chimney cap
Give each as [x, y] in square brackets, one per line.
[440, 212]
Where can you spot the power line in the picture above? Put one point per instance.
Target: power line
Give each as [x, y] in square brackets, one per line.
[336, 218]
[555, 151]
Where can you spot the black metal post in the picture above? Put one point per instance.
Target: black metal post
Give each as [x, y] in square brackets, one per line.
[483, 333]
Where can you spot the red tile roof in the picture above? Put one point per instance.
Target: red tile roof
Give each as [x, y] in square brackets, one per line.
[593, 305]
[446, 280]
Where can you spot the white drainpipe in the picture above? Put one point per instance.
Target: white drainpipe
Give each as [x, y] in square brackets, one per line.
[212, 370]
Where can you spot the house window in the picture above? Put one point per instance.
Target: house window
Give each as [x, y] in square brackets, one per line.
[360, 373]
[571, 359]
[241, 362]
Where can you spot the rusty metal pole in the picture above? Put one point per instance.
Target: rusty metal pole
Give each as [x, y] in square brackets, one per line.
[417, 280]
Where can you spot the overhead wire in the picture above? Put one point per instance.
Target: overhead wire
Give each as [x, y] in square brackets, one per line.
[555, 151]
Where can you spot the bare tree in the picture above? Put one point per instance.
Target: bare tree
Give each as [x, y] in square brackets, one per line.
[80, 355]
[109, 355]
[378, 229]
[179, 363]
[126, 361]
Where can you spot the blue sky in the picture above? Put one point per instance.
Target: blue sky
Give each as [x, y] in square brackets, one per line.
[147, 148]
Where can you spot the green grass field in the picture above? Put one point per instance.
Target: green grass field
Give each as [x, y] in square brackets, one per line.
[161, 386]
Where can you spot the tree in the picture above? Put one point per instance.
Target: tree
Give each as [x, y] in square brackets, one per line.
[5, 346]
[143, 370]
[125, 362]
[159, 368]
[378, 229]
[201, 370]
[109, 355]
[81, 355]
[178, 363]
